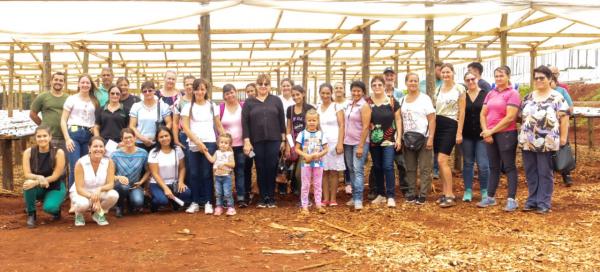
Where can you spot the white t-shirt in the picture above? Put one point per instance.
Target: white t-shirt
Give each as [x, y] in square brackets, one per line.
[202, 121]
[146, 117]
[329, 123]
[286, 104]
[167, 165]
[414, 114]
[221, 159]
[446, 103]
[82, 113]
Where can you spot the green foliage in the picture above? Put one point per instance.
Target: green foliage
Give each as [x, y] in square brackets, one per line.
[524, 90]
[595, 97]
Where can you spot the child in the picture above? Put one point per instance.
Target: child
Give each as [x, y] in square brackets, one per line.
[311, 145]
[223, 164]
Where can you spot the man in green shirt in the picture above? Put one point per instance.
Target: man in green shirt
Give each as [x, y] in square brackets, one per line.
[50, 104]
[102, 92]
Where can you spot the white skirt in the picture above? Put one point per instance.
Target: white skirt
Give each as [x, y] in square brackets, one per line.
[332, 160]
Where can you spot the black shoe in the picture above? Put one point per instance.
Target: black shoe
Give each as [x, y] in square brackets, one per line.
[118, 212]
[56, 217]
[261, 204]
[411, 199]
[542, 211]
[31, 218]
[420, 200]
[528, 208]
[153, 208]
[242, 204]
[372, 195]
[568, 180]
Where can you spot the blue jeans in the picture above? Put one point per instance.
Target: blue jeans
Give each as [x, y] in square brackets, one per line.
[240, 161]
[475, 151]
[267, 156]
[81, 138]
[201, 175]
[540, 178]
[160, 199]
[357, 170]
[383, 162]
[223, 191]
[136, 196]
[186, 159]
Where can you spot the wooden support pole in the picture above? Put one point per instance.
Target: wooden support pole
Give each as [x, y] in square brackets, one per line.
[305, 67]
[366, 54]
[479, 59]
[7, 163]
[278, 78]
[590, 132]
[110, 58]
[47, 66]
[407, 67]
[503, 40]
[205, 50]
[532, 55]
[328, 65]
[289, 71]
[429, 59]
[4, 97]
[344, 75]
[139, 84]
[86, 61]
[11, 80]
[315, 92]
[21, 94]
[66, 71]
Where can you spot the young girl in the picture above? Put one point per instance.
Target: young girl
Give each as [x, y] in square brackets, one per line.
[295, 124]
[223, 163]
[312, 146]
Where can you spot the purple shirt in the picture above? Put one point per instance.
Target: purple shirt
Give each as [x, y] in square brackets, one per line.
[354, 126]
[497, 102]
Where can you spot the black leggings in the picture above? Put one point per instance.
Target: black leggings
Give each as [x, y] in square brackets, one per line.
[267, 156]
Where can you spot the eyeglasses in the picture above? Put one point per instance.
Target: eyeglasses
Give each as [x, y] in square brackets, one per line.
[541, 78]
[115, 93]
[470, 79]
[263, 84]
[147, 91]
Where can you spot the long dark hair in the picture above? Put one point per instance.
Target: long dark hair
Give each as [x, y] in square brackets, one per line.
[157, 143]
[196, 87]
[300, 89]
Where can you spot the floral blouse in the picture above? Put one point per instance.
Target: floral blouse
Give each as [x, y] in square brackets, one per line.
[540, 130]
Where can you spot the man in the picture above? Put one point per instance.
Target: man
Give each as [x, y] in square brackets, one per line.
[50, 104]
[390, 79]
[102, 92]
[476, 69]
[438, 78]
[563, 89]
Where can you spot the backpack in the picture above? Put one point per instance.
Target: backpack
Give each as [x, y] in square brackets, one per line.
[222, 109]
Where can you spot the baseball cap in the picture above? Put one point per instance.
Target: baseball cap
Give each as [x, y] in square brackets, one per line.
[389, 70]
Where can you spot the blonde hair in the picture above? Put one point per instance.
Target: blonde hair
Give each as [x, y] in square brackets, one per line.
[228, 137]
[312, 112]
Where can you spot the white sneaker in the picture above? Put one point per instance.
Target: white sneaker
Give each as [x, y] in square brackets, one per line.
[358, 206]
[348, 189]
[391, 203]
[208, 209]
[193, 208]
[350, 203]
[378, 200]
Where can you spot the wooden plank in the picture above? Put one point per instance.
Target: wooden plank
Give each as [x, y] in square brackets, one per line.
[532, 55]
[366, 57]
[11, 80]
[7, 164]
[429, 59]
[328, 65]
[344, 74]
[205, 49]
[305, 68]
[503, 39]
[590, 121]
[86, 62]
[47, 67]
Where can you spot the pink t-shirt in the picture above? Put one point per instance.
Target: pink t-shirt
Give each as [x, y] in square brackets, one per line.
[353, 122]
[497, 102]
[232, 123]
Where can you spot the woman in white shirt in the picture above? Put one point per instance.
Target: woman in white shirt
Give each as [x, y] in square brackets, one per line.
[77, 120]
[94, 182]
[167, 171]
[201, 123]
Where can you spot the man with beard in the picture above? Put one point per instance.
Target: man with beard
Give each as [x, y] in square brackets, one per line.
[50, 104]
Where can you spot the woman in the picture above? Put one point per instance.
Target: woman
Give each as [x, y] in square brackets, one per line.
[386, 132]
[544, 129]
[127, 99]
[169, 93]
[331, 118]
[44, 174]
[77, 120]
[180, 137]
[450, 116]
[473, 146]
[94, 182]
[111, 118]
[357, 118]
[249, 163]
[131, 173]
[201, 123]
[167, 171]
[231, 118]
[418, 116]
[342, 102]
[147, 115]
[286, 95]
[566, 175]
[499, 131]
[295, 124]
[263, 122]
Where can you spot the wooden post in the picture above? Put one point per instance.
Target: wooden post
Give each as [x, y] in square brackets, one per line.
[289, 71]
[66, 68]
[110, 58]
[11, 80]
[366, 54]
[344, 74]
[315, 92]
[305, 67]
[429, 58]
[205, 50]
[21, 94]
[7, 164]
[503, 40]
[47, 66]
[86, 61]
[479, 59]
[407, 67]
[126, 70]
[590, 132]
[4, 97]
[139, 84]
[532, 55]
[328, 65]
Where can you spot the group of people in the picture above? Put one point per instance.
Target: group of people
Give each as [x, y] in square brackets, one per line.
[179, 148]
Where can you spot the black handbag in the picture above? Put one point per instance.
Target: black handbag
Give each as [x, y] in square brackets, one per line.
[564, 159]
[413, 140]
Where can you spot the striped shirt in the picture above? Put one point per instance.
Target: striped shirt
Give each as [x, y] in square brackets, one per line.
[130, 165]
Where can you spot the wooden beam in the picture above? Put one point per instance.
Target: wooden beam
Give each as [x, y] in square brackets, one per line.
[429, 58]
[21, 94]
[328, 65]
[344, 74]
[110, 57]
[11, 78]
[205, 48]
[86, 62]
[532, 55]
[559, 31]
[503, 39]
[366, 49]
[305, 68]
[386, 40]
[47, 67]
[268, 44]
